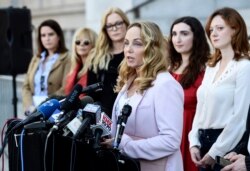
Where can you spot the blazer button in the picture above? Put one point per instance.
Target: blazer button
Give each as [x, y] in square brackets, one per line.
[50, 83]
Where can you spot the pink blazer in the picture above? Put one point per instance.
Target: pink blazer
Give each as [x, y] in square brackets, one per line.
[154, 129]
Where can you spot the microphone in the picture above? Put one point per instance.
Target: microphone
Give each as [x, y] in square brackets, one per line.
[91, 112]
[72, 100]
[73, 125]
[101, 129]
[44, 111]
[93, 87]
[126, 111]
[63, 121]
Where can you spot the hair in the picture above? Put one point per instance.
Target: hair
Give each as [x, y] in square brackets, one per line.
[239, 40]
[200, 52]
[154, 60]
[91, 36]
[100, 57]
[56, 27]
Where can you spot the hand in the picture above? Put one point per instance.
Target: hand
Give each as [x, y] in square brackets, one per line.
[230, 155]
[29, 110]
[207, 160]
[108, 143]
[237, 165]
[195, 155]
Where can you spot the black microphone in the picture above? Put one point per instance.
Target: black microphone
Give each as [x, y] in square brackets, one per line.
[72, 100]
[93, 87]
[75, 123]
[121, 124]
[91, 113]
[101, 129]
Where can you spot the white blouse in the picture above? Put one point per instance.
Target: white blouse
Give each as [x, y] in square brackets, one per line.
[223, 103]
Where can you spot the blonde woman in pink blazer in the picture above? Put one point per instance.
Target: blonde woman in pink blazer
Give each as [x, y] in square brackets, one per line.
[154, 129]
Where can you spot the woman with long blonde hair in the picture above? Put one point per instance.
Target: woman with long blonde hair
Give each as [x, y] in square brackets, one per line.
[84, 40]
[102, 63]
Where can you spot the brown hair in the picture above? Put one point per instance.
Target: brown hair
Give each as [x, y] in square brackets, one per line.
[56, 27]
[200, 51]
[239, 39]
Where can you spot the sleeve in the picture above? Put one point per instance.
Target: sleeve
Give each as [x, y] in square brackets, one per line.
[168, 110]
[26, 88]
[241, 147]
[234, 130]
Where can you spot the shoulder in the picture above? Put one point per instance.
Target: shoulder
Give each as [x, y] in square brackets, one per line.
[242, 63]
[64, 56]
[165, 79]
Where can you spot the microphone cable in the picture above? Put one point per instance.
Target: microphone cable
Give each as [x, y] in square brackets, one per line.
[4, 140]
[45, 151]
[21, 150]
[73, 155]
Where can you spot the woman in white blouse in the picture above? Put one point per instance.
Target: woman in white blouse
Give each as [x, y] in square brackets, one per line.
[224, 95]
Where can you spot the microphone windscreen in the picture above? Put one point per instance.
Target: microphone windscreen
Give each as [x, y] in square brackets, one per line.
[71, 100]
[126, 110]
[85, 100]
[48, 108]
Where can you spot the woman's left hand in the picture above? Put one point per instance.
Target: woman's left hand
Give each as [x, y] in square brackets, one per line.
[107, 142]
[238, 164]
[207, 161]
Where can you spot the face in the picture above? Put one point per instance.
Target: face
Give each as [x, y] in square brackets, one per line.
[115, 27]
[83, 46]
[182, 38]
[134, 48]
[49, 38]
[220, 33]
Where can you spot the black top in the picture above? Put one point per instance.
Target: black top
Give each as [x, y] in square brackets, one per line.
[247, 160]
[107, 96]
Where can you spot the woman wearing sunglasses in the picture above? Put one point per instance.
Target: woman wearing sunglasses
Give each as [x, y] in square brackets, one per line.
[47, 69]
[84, 40]
[102, 63]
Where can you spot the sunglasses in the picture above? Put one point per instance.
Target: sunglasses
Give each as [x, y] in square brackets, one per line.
[85, 42]
[42, 81]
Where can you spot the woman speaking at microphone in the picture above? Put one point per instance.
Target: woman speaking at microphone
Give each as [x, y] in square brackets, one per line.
[154, 127]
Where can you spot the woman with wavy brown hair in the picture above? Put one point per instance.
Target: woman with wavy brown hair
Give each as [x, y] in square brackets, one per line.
[154, 127]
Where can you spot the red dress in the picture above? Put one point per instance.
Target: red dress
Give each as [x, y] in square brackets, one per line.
[190, 102]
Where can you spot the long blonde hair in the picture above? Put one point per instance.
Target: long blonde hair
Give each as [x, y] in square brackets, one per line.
[75, 59]
[100, 57]
[154, 60]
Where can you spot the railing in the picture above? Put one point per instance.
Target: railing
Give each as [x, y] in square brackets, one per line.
[6, 98]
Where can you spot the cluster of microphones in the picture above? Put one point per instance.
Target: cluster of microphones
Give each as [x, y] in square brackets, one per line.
[75, 118]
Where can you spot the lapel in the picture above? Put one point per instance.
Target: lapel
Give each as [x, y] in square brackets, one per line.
[33, 72]
[58, 61]
[136, 99]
